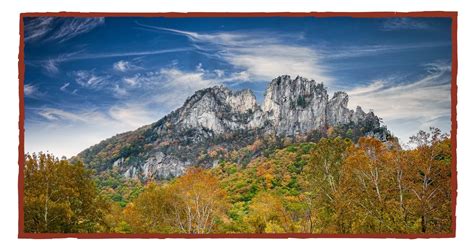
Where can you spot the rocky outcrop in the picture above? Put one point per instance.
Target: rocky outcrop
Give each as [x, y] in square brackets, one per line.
[295, 106]
[220, 118]
[337, 111]
[160, 165]
[219, 109]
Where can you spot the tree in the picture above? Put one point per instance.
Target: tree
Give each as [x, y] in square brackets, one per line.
[200, 202]
[151, 211]
[431, 183]
[60, 197]
[323, 184]
[267, 214]
[371, 177]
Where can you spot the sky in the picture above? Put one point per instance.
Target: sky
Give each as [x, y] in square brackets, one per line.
[87, 79]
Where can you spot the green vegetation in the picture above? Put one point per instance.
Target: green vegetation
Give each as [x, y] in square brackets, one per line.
[329, 186]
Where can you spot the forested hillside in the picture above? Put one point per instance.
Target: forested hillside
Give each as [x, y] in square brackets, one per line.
[330, 186]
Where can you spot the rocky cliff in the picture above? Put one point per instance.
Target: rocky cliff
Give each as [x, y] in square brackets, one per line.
[216, 121]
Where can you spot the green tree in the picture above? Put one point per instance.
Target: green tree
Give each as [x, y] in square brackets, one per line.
[324, 186]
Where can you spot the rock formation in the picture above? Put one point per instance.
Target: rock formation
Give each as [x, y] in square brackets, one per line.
[218, 117]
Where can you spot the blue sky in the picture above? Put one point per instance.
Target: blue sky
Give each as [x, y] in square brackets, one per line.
[87, 79]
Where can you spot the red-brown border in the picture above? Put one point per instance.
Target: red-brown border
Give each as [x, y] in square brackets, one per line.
[21, 67]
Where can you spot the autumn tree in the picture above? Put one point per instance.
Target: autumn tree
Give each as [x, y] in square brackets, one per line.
[267, 214]
[199, 202]
[431, 180]
[373, 185]
[151, 211]
[60, 197]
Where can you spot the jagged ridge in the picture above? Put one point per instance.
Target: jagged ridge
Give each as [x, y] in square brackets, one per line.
[220, 119]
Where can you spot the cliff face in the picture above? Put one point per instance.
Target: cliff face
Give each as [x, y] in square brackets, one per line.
[218, 118]
[218, 109]
[295, 106]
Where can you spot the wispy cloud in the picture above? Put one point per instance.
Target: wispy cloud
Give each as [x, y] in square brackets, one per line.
[127, 116]
[89, 79]
[51, 66]
[87, 56]
[58, 114]
[337, 53]
[406, 107]
[392, 24]
[64, 87]
[132, 81]
[90, 126]
[262, 56]
[122, 66]
[132, 115]
[169, 87]
[119, 92]
[166, 88]
[48, 29]
[72, 27]
[30, 90]
[372, 87]
[125, 66]
[36, 28]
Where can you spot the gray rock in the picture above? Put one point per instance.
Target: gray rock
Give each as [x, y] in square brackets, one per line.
[219, 109]
[337, 111]
[291, 107]
[295, 106]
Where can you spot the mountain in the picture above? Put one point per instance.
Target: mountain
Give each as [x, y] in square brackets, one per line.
[217, 123]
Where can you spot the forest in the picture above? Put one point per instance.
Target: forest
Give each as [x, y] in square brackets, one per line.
[332, 186]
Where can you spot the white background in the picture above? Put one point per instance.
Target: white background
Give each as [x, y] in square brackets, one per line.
[9, 46]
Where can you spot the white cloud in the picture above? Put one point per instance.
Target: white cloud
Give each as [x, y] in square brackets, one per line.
[69, 132]
[99, 55]
[51, 66]
[89, 79]
[30, 90]
[392, 24]
[176, 78]
[132, 81]
[178, 84]
[36, 28]
[64, 87]
[219, 73]
[132, 116]
[169, 87]
[124, 66]
[80, 55]
[87, 116]
[263, 56]
[341, 52]
[119, 92]
[372, 87]
[409, 107]
[269, 61]
[58, 29]
[72, 27]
